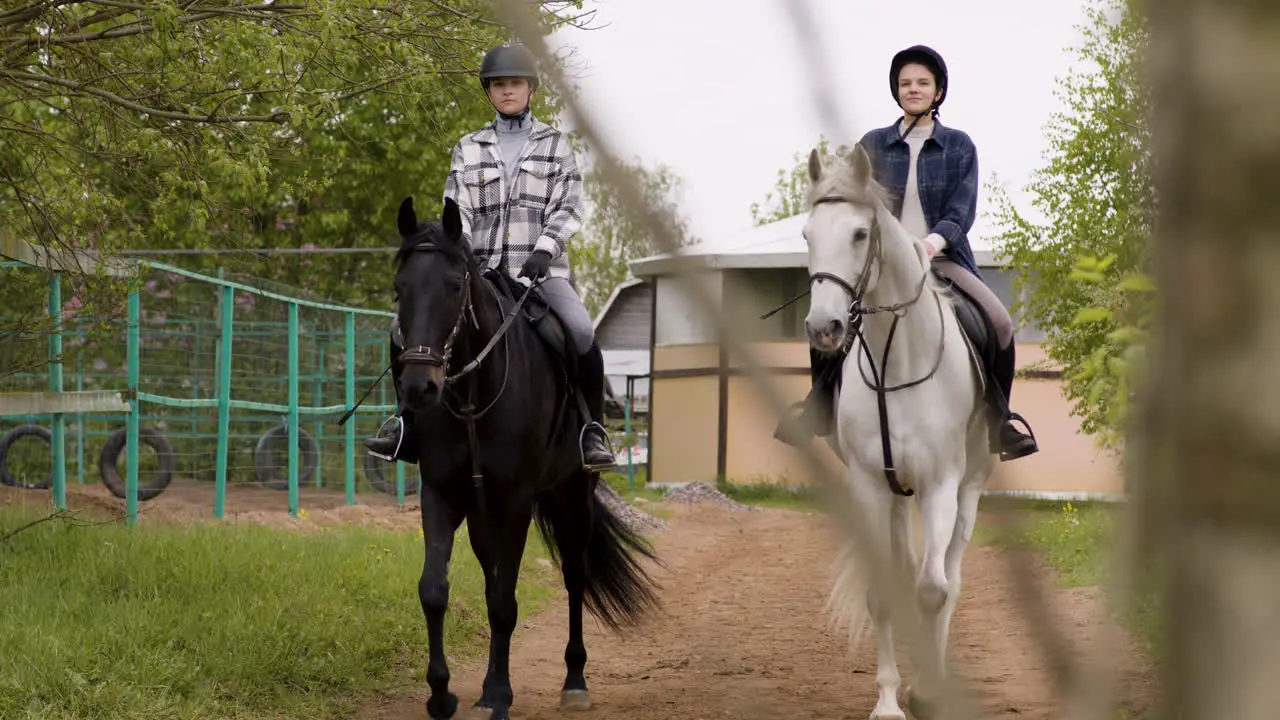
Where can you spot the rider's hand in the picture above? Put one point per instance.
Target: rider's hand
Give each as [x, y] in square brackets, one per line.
[926, 248]
[536, 266]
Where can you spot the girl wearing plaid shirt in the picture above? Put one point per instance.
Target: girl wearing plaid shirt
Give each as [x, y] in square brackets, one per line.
[517, 184]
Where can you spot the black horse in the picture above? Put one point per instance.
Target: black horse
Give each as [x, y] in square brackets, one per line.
[496, 442]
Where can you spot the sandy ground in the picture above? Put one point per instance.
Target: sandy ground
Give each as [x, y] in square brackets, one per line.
[741, 635]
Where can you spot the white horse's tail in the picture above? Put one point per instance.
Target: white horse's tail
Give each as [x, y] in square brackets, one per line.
[846, 605]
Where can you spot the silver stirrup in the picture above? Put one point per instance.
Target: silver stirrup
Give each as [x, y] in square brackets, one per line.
[582, 434]
[399, 439]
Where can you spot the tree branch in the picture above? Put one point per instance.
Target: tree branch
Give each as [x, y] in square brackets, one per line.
[9, 535]
[129, 104]
[31, 10]
[464, 16]
[145, 25]
[1129, 125]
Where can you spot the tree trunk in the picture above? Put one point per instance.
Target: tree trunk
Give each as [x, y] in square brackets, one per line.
[1209, 436]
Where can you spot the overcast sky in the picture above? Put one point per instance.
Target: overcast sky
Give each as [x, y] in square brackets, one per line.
[716, 89]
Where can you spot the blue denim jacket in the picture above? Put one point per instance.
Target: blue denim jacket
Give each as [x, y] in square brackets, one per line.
[947, 171]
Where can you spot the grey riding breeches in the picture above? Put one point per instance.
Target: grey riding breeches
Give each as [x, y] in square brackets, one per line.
[973, 286]
[566, 304]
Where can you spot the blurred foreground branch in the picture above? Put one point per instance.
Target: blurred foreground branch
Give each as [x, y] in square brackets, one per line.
[1210, 433]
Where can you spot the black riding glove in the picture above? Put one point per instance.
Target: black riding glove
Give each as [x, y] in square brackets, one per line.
[536, 267]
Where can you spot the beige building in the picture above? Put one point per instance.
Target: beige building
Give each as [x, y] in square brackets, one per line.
[708, 421]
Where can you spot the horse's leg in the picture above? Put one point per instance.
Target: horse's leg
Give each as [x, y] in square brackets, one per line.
[501, 565]
[938, 510]
[439, 523]
[970, 494]
[575, 503]
[880, 603]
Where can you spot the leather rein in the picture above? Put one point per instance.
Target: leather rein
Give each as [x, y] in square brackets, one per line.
[856, 311]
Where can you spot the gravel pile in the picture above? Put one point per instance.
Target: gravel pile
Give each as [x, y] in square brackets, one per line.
[700, 492]
[638, 520]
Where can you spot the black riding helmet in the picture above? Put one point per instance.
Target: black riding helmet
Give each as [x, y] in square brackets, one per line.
[510, 60]
[923, 55]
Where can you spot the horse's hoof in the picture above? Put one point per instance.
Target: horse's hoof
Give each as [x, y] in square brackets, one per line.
[888, 715]
[483, 713]
[442, 709]
[577, 700]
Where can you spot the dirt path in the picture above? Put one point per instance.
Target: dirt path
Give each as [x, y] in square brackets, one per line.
[743, 635]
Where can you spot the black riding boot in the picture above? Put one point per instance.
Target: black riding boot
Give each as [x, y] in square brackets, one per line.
[596, 454]
[816, 413]
[389, 442]
[1006, 439]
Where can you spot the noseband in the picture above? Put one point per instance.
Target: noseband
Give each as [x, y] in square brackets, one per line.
[424, 354]
[858, 288]
[855, 314]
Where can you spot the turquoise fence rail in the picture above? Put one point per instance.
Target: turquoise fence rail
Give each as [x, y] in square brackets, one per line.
[200, 368]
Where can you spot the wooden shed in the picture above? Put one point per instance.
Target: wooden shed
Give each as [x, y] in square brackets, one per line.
[708, 420]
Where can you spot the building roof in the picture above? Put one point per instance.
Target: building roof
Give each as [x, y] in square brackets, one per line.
[778, 244]
[617, 292]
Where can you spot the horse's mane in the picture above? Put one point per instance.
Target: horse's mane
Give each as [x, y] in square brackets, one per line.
[839, 181]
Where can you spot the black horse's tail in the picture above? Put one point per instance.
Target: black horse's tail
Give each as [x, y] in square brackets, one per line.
[618, 589]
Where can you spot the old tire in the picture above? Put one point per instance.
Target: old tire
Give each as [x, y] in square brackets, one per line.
[11, 437]
[275, 475]
[110, 456]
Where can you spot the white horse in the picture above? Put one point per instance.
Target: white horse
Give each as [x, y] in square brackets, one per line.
[872, 291]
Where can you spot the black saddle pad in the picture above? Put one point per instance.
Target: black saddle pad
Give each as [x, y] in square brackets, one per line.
[973, 322]
[537, 312]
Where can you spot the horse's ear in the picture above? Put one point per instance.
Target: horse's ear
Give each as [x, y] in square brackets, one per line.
[815, 165]
[861, 163]
[451, 219]
[408, 219]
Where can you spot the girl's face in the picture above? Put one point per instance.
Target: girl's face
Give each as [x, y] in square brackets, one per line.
[510, 95]
[917, 90]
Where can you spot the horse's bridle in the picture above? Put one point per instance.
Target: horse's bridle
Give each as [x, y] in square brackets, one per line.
[858, 288]
[855, 313]
[425, 355]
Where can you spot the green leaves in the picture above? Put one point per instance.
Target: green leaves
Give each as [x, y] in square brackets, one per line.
[613, 236]
[1091, 315]
[1083, 267]
[155, 124]
[787, 197]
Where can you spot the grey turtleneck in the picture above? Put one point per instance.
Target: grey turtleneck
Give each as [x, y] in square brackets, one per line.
[512, 135]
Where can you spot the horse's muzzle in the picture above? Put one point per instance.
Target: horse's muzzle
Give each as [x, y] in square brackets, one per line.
[422, 385]
[422, 376]
[827, 338]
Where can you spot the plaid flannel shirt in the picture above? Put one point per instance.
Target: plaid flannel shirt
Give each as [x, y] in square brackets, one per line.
[947, 174]
[543, 212]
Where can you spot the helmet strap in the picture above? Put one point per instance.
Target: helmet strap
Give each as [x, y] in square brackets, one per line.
[932, 112]
[514, 119]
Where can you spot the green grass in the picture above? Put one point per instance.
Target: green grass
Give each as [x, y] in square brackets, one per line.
[223, 621]
[764, 494]
[1078, 540]
[617, 479]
